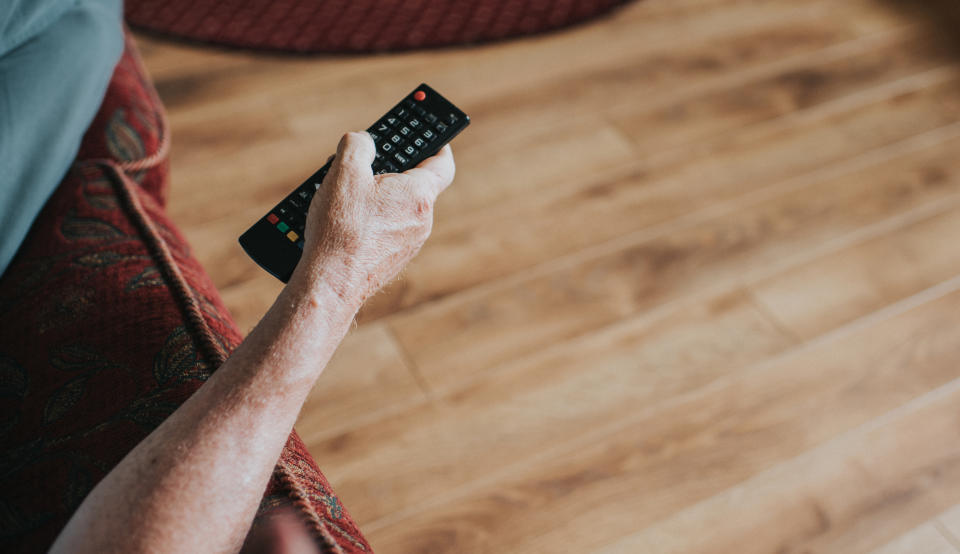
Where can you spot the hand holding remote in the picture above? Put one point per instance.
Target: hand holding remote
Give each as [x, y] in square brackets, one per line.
[409, 133]
[362, 228]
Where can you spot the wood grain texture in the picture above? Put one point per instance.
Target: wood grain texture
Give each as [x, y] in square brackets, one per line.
[695, 288]
[925, 538]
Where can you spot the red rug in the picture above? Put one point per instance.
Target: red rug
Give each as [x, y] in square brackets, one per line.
[357, 25]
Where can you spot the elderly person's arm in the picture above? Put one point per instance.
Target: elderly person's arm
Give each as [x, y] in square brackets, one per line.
[194, 484]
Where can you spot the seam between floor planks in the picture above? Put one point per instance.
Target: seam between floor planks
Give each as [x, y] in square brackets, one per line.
[946, 533]
[412, 368]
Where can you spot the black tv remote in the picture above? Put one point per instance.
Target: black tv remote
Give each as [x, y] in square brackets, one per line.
[411, 132]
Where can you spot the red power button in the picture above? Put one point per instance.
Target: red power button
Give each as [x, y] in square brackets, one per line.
[419, 95]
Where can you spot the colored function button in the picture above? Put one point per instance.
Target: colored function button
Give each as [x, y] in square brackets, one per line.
[272, 218]
[419, 95]
[293, 236]
[283, 227]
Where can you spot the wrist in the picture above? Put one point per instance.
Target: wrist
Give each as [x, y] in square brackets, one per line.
[327, 284]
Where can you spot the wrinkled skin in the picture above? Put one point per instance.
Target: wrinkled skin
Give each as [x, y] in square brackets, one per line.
[372, 225]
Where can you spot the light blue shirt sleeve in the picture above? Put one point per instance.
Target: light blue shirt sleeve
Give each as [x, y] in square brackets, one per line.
[56, 59]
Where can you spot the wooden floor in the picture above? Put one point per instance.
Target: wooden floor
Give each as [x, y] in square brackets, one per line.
[696, 287]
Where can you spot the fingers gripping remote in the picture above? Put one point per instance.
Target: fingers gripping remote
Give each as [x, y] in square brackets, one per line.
[412, 131]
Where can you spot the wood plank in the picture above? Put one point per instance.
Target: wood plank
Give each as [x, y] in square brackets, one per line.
[648, 80]
[949, 524]
[652, 463]
[301, 114]
[263, 154]
[841, 287]
[379, 467]
[366, 376]
[640, 362]
[849, 495]
[925, 538]
[832, 73]
[451, 341]
[479, 72]
[465, 252]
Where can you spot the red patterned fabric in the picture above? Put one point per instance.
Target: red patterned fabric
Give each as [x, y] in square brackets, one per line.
[357, 25]
[109, 325]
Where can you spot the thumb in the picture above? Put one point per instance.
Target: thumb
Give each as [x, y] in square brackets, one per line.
[355, 155]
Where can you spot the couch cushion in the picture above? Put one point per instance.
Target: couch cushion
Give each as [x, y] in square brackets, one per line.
[109, 325]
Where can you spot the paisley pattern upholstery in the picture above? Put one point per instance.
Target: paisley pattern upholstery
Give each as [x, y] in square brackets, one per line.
[109, 325]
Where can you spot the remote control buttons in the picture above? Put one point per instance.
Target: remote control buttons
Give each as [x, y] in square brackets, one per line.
[273, 219]
[293, 236]
[419, 96]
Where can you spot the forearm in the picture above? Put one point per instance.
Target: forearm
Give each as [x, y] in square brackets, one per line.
[193, 485]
